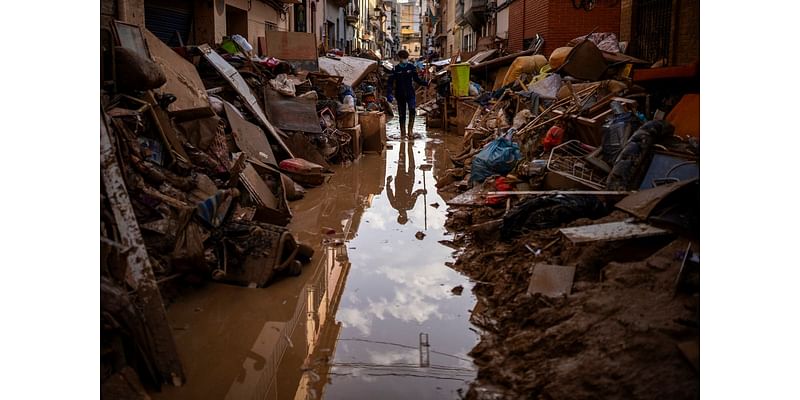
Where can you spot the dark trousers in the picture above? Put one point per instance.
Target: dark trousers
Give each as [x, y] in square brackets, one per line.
[404, 104]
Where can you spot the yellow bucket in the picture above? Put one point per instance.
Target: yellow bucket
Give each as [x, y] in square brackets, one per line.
[459, 73]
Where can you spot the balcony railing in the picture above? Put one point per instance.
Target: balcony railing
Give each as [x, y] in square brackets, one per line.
[459, 14]
[351, 13]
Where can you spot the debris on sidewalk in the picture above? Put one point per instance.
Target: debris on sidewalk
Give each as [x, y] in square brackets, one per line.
[576, 185]
[203, 146]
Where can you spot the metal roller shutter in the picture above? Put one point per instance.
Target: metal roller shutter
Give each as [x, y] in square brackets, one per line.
[165, 20]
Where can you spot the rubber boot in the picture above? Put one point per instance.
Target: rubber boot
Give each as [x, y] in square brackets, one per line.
[411, 126]
[402, 131]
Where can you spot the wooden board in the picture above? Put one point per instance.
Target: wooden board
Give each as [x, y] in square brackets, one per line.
[611, 231]
[258, 188]
[183, 81]
[641, 204]
[291, 113]
[551, 280]
[352, 69]
[373, 130]
[297, 48]
[166, 128]
[249, 137]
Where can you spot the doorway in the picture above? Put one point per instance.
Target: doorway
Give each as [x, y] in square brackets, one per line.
[236, 21]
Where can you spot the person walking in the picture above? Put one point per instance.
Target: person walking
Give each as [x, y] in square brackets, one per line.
[400, 84]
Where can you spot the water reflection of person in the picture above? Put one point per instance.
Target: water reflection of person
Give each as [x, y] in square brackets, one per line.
[402, 199]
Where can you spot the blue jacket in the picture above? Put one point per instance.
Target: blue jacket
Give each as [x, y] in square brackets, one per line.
[400, 81]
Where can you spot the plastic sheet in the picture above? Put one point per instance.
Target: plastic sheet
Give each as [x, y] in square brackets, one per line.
[497, 158]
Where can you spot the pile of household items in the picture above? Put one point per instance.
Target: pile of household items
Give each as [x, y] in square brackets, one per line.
[576, 201]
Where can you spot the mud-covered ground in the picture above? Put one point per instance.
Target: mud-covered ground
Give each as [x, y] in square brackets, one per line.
[615, 336]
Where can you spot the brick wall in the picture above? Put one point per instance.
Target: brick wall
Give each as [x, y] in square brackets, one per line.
[558, 22]
[537, 19]
[515, 24]
[687, 36]
[566, 23]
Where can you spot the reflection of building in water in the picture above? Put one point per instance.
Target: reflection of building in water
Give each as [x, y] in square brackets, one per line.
[274, 368]
[322, 330]
[317, 308]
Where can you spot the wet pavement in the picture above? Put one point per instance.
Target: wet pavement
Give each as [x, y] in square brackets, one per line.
[372, 316]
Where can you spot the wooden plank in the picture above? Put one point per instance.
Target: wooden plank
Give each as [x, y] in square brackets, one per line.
[551, 280]
[164, 125]
[182, 80]
[297, 48]
[249, 137]
[232, 76]
[139, 274]
[373, 130]
[611, 231]
[258, 188]
[641, 204]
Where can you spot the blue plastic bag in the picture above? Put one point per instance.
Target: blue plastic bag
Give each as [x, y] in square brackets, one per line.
[497, 158]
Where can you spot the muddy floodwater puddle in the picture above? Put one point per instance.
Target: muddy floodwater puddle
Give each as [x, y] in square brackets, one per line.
[374, 316]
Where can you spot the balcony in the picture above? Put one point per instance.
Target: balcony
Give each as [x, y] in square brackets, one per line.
[474, 12]
[351, 13]
[459, 14]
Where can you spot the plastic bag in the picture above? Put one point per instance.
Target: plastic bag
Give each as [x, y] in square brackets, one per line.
[242, 42]
[475, 89]
[497, 158]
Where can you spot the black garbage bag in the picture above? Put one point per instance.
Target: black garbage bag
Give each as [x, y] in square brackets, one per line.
[633, 160]
[548, 212]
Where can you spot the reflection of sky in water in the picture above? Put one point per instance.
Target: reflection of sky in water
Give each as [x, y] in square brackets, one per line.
[397, 287]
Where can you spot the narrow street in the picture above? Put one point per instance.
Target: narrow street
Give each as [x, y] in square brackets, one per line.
[356, 322]
[269, 229]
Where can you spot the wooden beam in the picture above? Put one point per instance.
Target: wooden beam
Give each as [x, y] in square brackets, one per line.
[139, 274]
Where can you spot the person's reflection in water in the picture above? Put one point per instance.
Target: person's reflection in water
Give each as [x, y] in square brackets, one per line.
[402, 199]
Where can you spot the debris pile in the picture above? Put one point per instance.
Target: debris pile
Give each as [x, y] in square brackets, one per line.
[202, 148]
[576, 200]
